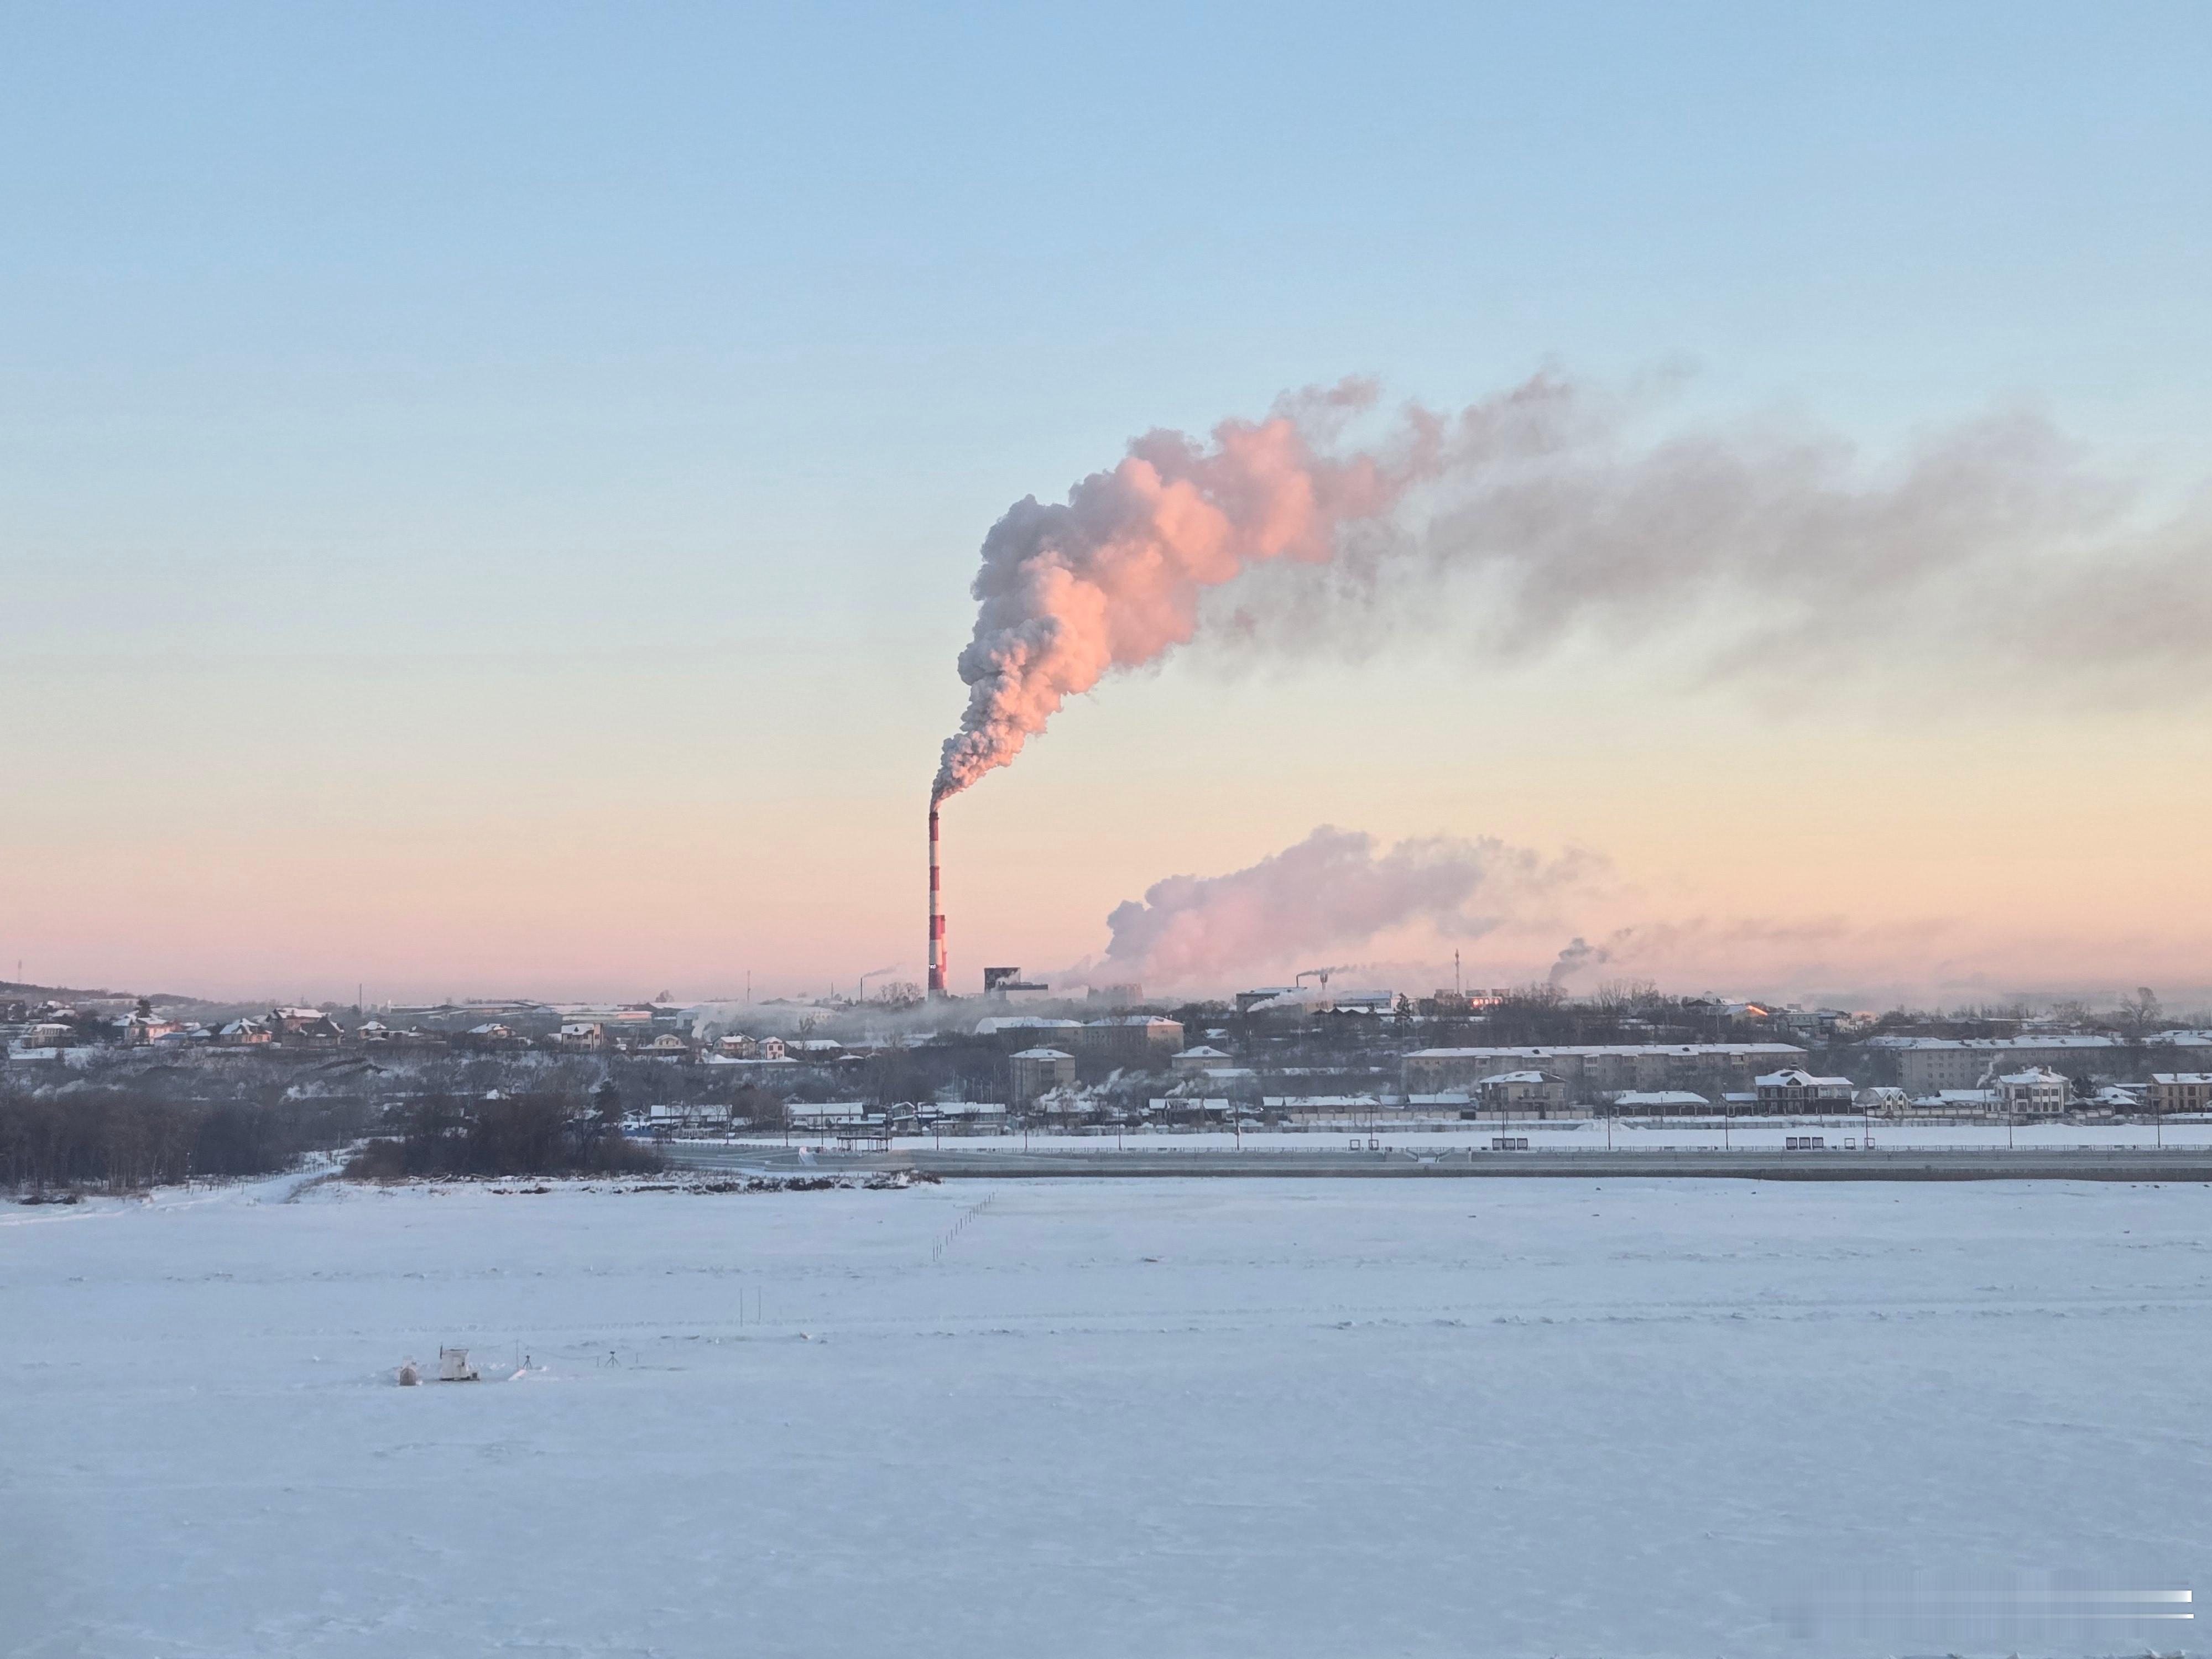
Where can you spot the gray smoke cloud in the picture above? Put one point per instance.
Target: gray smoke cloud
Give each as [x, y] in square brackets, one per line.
[1334, 892]
[1579, 954]
[1550, 510]
[1554, 508]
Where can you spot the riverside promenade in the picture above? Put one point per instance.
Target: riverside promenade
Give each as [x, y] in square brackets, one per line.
[2146, 1163]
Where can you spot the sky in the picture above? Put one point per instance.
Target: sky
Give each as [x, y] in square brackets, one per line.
[488, 495]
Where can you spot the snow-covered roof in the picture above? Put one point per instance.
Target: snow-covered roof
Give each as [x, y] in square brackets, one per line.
[1044, 1054]
[1201, 1052]
[1592, 1051]
[1997, 1045]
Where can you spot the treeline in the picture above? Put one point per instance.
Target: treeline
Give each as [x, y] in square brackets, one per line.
[123, 1139]
[545, 1132]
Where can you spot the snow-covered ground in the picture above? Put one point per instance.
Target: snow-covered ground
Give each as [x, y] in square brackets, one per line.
[1105, 1418]
[1766, 1132]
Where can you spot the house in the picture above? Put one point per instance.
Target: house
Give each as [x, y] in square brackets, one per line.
[828, 1114]
[2038, 1092]
[738, 1045]
[303, 1027]
[1798, 1090]
[1959, 1102]
[1659, 1103]
[666, 1046]
[242, 1033]
[585, 1035]
[1522, 1091]
[963, 1117]
[2180, 1091]
[145, 1026]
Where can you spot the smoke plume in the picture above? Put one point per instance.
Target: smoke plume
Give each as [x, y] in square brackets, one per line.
[1547, 510]
[1579, 954]
[1112, 577]
[1336, 889]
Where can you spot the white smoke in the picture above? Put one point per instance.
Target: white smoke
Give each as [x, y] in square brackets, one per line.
[1335, 892]
[1544, 510]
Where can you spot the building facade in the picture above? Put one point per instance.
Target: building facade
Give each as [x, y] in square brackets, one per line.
[2180, 1091]
[1596, 1073]
[1036, 1071]
[1799, 1091]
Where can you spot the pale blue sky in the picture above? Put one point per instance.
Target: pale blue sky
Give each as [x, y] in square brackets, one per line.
[651, 372]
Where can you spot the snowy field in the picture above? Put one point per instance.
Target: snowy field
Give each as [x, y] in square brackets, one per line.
[1112, 1417]
[1770, 1133]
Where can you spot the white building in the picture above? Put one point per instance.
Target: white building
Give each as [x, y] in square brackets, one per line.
[1798, 1090]
[2038, 1091]
[1659, 1103]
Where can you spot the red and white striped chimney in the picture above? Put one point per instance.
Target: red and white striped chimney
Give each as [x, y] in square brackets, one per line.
[936, 917]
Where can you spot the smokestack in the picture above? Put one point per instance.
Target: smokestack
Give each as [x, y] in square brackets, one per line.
[936, 916]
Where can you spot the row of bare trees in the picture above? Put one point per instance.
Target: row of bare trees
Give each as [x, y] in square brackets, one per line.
[122, 1138]
[540, 1132]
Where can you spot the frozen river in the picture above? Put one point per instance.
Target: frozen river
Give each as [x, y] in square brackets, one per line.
[1108, 1417]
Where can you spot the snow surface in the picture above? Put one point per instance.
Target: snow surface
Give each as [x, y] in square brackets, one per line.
[1584, 1136]
[1098, 1417]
